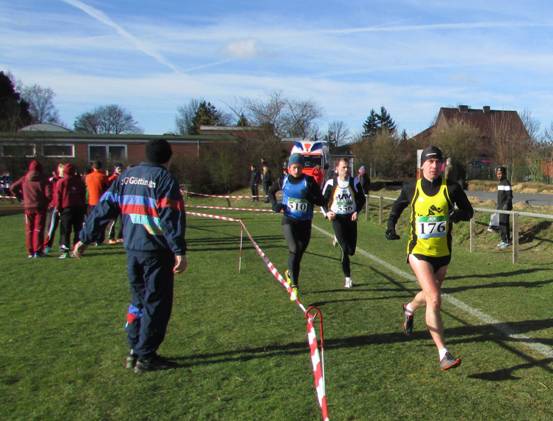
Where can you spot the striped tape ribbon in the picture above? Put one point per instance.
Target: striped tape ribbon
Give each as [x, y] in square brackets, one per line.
[229, 208]
[223, 196]
[317, 360]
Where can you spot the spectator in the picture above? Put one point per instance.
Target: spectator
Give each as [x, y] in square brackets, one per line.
[504, 202]
[266, 180]
[254, 182]
[53, 209]
[71, 205]
[149, 199]
[363, 179]
[96, 184]
[112, 238]
[36, 192]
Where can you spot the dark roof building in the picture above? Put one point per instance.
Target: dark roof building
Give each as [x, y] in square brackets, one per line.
[490, 124]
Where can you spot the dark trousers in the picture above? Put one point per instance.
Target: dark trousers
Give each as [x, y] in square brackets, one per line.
[151, 285]
[266, 187]
[255, 191]
[71, 221]
[52, 227]
[504, 227]
[34, 230]
[346, 234]
[297, 235]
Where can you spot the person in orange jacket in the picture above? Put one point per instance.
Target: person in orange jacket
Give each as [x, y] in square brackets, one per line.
[96, 184]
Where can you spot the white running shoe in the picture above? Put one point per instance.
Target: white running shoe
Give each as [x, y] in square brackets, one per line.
[348, 283]
[334, 241]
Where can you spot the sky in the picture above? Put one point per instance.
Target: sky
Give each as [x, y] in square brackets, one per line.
[410, 56]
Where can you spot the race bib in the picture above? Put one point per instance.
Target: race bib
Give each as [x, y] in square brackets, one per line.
[298, 205]
[431, 226]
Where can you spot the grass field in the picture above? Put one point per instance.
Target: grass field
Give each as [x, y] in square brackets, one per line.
[241, 345]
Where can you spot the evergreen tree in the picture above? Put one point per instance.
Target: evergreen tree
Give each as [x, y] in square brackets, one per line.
[14, 111]
[206, 115]
[242, 121]
[385, 121]
[371, 124]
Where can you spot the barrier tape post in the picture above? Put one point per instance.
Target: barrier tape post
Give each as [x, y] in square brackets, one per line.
[317, 362]
[317, 357]
[241, 243]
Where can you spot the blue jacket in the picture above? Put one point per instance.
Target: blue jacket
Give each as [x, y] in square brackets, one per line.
[152, 211]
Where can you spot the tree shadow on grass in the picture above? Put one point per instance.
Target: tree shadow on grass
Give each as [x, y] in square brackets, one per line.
[462, 334]
[499, 274]
[515, 284]
[507, 373]
[529, 234]
[353, 300]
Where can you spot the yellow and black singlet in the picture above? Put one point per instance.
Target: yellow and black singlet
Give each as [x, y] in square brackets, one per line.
[429, 226]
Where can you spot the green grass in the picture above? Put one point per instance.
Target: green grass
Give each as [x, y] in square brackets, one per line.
[241, 344]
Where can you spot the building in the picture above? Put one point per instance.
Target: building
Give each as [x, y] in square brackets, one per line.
[489, 123]
[49, 141]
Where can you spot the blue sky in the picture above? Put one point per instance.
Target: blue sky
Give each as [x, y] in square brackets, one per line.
[411, 56]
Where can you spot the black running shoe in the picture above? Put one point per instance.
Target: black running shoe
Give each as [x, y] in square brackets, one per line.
[408, 322]
[153, 363]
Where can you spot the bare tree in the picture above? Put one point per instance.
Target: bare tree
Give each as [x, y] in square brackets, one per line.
[288, 118]
[41, 104]
[511, 141]
[337, 133]
[458, 140]
[107, 119]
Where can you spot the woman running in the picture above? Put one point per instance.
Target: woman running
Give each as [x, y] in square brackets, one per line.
[343, 200]
[299, 195]
[435, 205]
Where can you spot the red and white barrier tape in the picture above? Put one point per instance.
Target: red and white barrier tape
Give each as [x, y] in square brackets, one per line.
[316, 360]
[223, 196]
[7, 197]
[229, 208]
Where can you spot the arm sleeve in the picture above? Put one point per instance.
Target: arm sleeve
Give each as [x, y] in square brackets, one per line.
[172, 216]
[96, 222]
[16, 186]
[400, 204]
[360, 198]
[275, 187]
[315, 192]
[458, 196]
[327, 191]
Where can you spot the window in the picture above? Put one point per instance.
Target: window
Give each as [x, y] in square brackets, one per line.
[107, 153]
[58, 151]
[97, 153]
[117, 153]
[18, 150]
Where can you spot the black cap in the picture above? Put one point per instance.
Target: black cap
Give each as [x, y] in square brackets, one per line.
[431, 152]
[158, 151]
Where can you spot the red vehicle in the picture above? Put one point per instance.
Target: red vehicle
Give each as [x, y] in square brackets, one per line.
[315, 154]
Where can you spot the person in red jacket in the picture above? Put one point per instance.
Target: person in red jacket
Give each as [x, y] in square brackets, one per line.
[35, 189]
[52, 209]
[71, 205]
[112, 238]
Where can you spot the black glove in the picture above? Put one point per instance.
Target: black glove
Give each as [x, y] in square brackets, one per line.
[454, 216]
[391, 234]
[278, 207]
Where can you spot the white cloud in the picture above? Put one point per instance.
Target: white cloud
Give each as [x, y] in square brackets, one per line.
[246, 48]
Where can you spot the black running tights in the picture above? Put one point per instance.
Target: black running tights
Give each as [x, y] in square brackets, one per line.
[346, 234]
[297, 234]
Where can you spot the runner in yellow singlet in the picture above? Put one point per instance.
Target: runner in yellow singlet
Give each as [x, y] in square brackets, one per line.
[435, 205]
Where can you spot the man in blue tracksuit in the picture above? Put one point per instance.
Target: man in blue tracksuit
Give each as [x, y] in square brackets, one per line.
[152, 209]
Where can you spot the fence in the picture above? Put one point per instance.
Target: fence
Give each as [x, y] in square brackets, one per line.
[472, 237]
